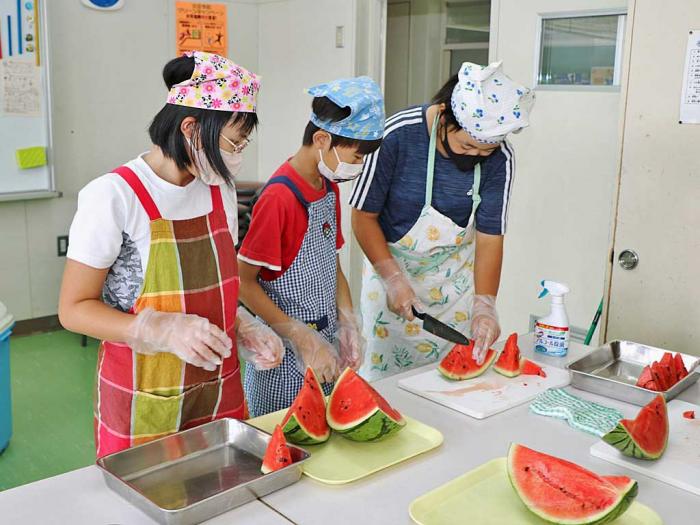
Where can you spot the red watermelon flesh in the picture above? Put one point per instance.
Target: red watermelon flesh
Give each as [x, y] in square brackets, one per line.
[681, 370]
[622, 483]
[670, 363]
[646, 379]
[305, 421]
[689, 414]
[277, 454]
[562, 492]
[659, 376]
[508, 363]
[459, 363]
[644, 437]
[528, 368]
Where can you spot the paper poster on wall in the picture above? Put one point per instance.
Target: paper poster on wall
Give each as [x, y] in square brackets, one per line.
[200, 27]
[690, 94]
[20, 91]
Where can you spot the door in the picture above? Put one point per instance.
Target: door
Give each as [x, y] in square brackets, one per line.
[657, 302]
[398, 33]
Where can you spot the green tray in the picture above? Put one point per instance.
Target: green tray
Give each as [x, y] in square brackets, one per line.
[485, 496]
[340, 460]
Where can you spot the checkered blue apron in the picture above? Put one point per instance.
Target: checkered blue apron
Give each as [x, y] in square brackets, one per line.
[307, 292]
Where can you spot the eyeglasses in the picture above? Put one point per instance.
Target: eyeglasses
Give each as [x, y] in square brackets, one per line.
[237, 147]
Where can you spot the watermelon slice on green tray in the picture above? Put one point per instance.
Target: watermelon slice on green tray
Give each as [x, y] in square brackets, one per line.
[356, 411]
[459, 364]
[508, 363]
[305, 421]
[277, 454]
[559, 491]
[644, 437]
[528, 368]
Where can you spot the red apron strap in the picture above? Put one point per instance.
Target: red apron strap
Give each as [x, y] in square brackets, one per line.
[140, 190]
[217, 204]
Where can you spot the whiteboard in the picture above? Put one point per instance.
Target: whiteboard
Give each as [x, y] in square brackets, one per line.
[25, 110]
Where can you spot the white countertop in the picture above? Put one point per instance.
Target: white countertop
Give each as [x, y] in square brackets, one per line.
[81, 496]
[384, 497]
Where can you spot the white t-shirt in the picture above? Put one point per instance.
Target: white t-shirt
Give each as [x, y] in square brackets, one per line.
[111, 229]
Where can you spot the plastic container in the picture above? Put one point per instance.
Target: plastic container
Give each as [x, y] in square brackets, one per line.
[552, 331]
[6, 324]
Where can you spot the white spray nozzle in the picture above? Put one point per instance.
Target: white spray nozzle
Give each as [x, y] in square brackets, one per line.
[553, 288]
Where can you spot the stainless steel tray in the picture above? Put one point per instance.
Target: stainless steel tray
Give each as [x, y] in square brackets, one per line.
[612, 370]
[194, 475]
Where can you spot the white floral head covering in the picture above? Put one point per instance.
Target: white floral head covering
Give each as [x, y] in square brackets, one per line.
[216, 83]
[488, 104]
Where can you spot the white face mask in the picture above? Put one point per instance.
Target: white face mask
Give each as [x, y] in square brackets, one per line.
[206, 172]
[343, 173]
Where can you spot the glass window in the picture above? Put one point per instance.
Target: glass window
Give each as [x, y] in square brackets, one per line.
[466, 33]
[581, 51]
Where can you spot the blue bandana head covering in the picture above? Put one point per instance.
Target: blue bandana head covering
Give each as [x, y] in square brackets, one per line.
[364, 98]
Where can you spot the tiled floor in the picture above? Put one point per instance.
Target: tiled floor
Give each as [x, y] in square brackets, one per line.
[52, 384]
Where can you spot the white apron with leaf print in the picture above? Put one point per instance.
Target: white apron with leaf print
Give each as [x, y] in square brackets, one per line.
[437, 255]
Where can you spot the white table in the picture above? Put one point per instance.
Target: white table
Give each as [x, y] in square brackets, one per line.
[81, 496]
[385, 497]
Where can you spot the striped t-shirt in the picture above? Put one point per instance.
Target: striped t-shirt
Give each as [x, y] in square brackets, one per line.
[394, 177]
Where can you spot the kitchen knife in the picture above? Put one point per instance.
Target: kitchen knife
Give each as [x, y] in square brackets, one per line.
[435, 327]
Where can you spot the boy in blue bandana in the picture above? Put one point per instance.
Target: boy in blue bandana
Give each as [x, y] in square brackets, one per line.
[289, 267]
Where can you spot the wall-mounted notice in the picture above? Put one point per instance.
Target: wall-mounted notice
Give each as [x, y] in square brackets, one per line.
[20, 87]
[690, 94]
[200, 27]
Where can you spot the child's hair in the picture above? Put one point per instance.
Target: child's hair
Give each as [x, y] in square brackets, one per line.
[327, 110]
[165, 127]
[444, 96]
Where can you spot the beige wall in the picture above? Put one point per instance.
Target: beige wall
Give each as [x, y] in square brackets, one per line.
[106, 85]
[559, 222]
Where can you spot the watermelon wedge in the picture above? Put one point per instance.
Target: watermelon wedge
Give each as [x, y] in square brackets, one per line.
[646, 379]
[644, 437]
[277, 454]
[528, 368]
[356, 411]
[660, 376]
[689, 414]
[508, 363]
[681, 370]
[459, 364]
[559, 491]
[305, 421]
[669, 363]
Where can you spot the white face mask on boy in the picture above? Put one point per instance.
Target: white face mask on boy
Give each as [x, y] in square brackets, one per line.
[343, 173]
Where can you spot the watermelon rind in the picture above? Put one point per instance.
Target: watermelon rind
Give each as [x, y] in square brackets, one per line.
[626, 492]
[374, 425]
[462, 376]
[622, 436]
[293, 426]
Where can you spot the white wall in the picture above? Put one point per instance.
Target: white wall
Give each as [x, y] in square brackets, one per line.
[107, 85]
[560, 212]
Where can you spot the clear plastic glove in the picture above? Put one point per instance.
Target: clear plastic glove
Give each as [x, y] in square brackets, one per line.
[258, 344]
[311, 349]
[400, 296]
[351, 344]
[190, 337]
[485, 327]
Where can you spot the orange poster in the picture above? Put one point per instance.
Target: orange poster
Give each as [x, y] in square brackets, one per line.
[200, 27]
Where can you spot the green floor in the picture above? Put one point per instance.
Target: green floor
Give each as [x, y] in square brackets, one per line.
[52, 383]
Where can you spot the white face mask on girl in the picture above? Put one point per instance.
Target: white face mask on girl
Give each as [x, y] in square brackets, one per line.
[343, 173]
[207, 173]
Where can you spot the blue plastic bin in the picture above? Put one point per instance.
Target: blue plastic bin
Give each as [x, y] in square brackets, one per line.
[5, 391]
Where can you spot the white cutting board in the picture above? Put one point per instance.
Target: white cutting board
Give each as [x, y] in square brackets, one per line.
[486, 395]
[680, 464]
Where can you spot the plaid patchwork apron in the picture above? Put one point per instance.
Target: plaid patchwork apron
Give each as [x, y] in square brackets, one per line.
[307, 292]
[192, 268]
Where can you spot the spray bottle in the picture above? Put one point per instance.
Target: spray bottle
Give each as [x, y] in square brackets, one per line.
[552, 331]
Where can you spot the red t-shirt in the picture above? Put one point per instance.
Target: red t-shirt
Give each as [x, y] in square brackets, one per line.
[279, 224]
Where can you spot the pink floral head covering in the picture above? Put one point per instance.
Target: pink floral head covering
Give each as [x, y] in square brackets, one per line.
[217, 83]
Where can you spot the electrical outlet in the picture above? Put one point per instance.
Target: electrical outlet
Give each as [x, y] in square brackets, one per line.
[62, 244]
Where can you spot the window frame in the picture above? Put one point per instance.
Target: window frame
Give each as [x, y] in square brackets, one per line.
[620, 12]
[446, 49]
